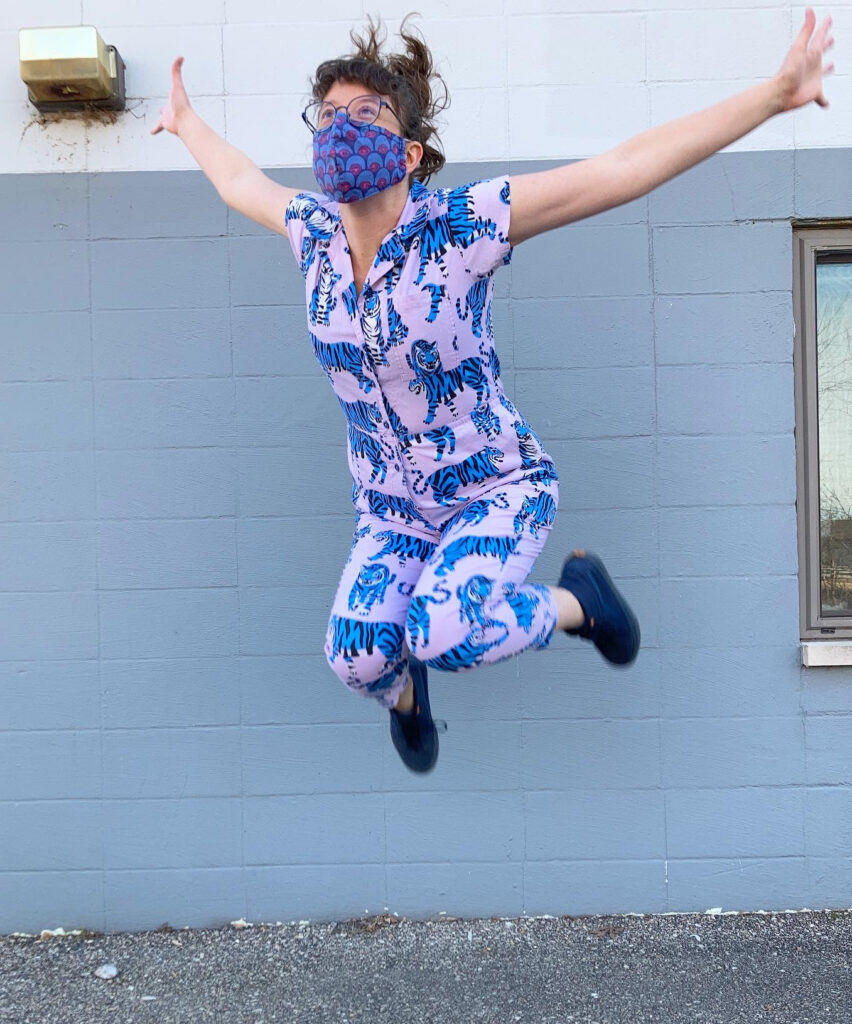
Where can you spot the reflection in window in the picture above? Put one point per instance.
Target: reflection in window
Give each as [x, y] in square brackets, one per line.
[834, 383]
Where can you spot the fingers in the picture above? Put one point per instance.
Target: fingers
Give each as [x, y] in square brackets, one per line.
[822, 32]
[176, 77]
[808, 27]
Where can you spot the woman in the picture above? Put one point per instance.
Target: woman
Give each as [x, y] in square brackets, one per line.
[454, 493]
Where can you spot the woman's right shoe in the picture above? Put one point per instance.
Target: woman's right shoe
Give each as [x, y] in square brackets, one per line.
[414, 734]
[609, 621]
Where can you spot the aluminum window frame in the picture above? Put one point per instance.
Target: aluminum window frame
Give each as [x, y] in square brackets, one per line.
[809, 241]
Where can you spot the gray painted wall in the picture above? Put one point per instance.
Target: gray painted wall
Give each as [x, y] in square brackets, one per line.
[174, 512]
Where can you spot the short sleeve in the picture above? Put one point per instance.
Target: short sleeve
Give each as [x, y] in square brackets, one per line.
[478, 215]
[308, 220]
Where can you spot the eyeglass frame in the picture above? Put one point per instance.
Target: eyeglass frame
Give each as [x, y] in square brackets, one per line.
[345, 106]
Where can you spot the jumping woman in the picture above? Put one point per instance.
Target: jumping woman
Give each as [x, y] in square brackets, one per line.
[453, 490]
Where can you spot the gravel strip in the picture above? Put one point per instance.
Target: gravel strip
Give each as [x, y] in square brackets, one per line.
[696, 968]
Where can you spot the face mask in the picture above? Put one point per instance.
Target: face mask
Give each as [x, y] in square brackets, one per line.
[351, 163]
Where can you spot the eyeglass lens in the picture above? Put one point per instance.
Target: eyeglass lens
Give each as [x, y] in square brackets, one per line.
[362, 110]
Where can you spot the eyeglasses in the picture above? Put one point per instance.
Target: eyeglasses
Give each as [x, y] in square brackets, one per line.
[361, 111]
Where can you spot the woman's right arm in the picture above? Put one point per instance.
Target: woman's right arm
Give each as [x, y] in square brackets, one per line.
[237, 179]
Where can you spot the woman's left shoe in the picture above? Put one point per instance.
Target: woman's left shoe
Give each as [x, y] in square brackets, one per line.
[414, 734]
[610, 623]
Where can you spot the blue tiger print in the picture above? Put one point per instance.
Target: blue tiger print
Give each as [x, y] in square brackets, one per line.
[507, 405]
[476, 510]
[485, 420]
[363, 415]
[394, 249]
[436, 293]
[536, 512]
[404, 546]
[498, 547]
[474, 303]
[390, 251]
[465, 228]
[439, 385]
[371, 325]
[323, 300]
[469, 652]
[350, 300]
[397, 426]
[306, 258]
[435, 240]
[408, 232]
[390, 505]
[544, 473]
[366, 446]
[473, 596]
[522, 603]
[417, 619]
[529, 444]
[542, 638]
[385, 681]
[446, 481]
[441, 437]
[342, 355]
[504, 193]
[349, 636]
[370, 587]
[320, 224]
[392, 278]
[398, 332]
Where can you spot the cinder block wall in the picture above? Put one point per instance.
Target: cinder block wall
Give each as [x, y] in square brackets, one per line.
[174, 513]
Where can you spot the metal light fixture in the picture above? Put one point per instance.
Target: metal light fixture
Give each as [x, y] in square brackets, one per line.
[71, 68]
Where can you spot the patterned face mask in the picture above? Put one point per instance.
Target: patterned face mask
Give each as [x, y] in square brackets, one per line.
[352, 163]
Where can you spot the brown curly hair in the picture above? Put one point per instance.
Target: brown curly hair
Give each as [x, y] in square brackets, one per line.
[407, 79]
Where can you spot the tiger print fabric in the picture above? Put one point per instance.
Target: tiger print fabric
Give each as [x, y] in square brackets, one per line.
[455, 602]
[411, 358]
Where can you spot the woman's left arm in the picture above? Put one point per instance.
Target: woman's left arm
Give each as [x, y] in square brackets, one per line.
[545, 200]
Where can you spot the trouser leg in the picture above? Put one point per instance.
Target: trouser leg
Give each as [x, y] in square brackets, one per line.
[365, 642]
[472, 604]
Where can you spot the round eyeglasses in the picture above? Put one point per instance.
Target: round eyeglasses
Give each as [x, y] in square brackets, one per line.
[361, 111]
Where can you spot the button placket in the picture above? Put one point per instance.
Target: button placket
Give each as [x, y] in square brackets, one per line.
[384, 430]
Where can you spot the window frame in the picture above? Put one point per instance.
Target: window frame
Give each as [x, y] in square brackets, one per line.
[811, 239]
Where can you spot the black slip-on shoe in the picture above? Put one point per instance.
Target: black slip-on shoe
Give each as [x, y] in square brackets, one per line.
[414, 734]
[610, 623]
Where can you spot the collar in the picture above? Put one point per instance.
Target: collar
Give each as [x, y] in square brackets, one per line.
[398, 241]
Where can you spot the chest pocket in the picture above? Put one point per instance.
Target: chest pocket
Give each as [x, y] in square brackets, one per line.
[423, 313]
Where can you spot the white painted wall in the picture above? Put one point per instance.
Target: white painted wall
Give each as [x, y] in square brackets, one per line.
[529, 79]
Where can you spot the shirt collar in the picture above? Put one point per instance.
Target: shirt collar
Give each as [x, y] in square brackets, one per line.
[398, 241]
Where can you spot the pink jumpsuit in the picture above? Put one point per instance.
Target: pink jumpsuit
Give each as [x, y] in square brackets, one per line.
[453, 491]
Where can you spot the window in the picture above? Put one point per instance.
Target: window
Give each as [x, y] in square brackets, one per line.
[822, 299]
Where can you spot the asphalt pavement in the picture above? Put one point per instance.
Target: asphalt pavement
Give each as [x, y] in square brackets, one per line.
[698, 968]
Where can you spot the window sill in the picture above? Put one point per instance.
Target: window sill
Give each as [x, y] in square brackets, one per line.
[818, 653]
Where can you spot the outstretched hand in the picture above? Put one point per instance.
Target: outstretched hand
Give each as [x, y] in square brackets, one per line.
[177, 103]
[800, 76]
